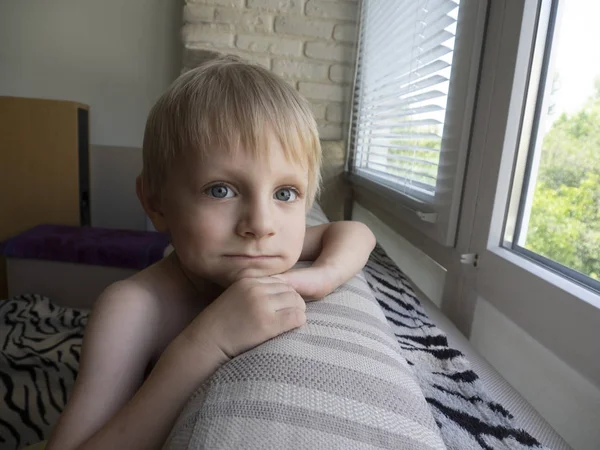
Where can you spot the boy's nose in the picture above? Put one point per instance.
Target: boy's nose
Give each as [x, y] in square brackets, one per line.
[256, 221]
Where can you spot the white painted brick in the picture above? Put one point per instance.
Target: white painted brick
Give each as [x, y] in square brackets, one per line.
[258, 58]
[291, 81]
[330, 132]
[341, 73]
[335, 113]
[263, 60]
[318, 110]
[196, 54]
[327, 10]
[303, 26]
[303, 70]
[321, 91]
[244, 20]
[198, 13]
[345, 33]
[329, 51]
[280, 6]
[269, 44]
[193, 57]
[207, 34]
[229, 3]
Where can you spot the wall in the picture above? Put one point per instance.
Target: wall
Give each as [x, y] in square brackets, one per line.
[117, 57]
[568, 401]
[114, 203]
[310, 43]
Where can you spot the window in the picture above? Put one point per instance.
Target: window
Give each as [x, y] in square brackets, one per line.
[554, 218]
[561, 315]
[415, 84]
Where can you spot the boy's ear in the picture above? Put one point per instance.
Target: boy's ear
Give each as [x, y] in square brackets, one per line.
[151, 207]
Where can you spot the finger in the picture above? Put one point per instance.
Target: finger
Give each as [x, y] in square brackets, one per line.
[293, 278]
[290, 299]
[270, 285]
[274, 280]
[290, 318]
[310, 283]
[279, 276]
[270, 279]
[277, 288]
[291, 275]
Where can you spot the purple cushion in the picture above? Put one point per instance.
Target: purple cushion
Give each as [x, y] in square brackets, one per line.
[97, 246]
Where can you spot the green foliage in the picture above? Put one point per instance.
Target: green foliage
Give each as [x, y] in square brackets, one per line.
[418, 148]
[565, 216]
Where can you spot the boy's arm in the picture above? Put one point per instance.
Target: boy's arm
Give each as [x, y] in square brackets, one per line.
[103, 411]
[147, 419]
[339, 251]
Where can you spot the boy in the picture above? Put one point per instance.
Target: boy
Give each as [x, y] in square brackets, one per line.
[231, 167]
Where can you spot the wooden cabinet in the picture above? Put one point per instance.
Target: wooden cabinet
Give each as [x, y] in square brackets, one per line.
[44, 165]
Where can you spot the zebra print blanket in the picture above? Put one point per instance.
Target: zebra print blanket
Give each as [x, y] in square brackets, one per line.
[41, 343]
[467, 416]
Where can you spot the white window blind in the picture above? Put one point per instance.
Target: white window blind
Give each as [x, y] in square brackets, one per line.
[410, 104]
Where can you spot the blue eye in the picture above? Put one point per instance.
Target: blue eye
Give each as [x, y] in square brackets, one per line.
[285, 195]
[220, 191]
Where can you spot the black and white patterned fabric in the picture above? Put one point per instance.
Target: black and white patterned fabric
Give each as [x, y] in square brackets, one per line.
[466, 415]
[41, 344]
[39, 358]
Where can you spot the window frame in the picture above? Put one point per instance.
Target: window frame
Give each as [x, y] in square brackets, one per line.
[558, 312]
[437, 223]
[529, 143]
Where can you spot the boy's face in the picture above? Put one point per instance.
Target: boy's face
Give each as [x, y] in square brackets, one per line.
[236, 216]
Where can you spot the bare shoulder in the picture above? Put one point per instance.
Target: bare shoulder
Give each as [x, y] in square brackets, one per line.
[131, 301]
[130, 325]
[118, 345]
[170, 298]
[139, 292]
[153, 307]
[126, 315]
[125, 296]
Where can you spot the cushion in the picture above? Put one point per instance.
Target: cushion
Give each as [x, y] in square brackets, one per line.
[131, 249]
[338, 382]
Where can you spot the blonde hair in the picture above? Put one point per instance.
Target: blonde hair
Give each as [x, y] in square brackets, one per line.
[220, 105]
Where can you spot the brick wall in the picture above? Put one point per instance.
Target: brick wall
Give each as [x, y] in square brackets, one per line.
[310, 43]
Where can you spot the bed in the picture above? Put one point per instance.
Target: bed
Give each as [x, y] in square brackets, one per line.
[471, 404]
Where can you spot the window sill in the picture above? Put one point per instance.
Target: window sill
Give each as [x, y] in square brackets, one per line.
[549, 276]
[407, 213]
[396, 218]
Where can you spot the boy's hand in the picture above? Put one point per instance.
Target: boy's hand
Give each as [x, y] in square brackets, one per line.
[339, 251]
[250, 312]
[314, 282]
